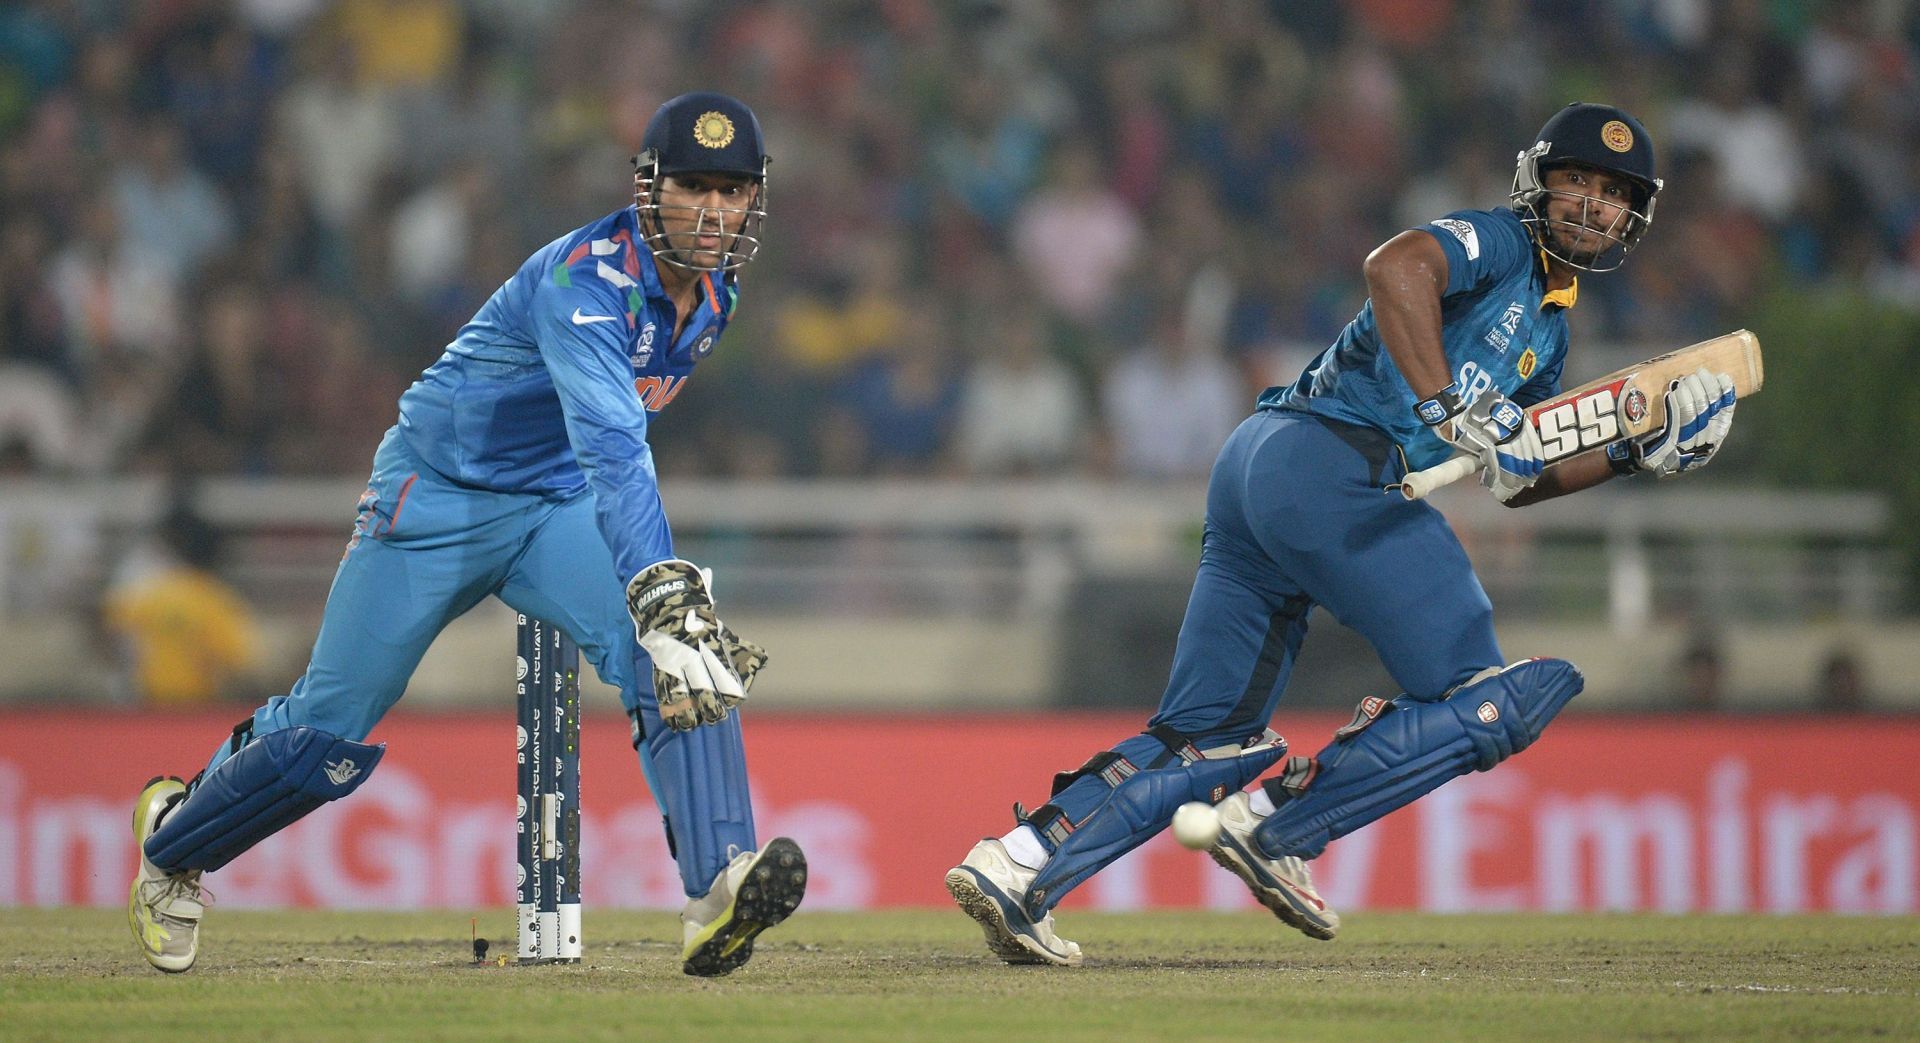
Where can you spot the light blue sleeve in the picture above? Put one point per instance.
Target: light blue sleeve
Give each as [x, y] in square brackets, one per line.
[606, 423]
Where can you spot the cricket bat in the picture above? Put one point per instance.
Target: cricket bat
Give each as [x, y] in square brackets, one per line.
[1624, 404]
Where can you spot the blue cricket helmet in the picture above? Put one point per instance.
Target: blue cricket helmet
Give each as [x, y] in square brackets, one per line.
[702, 133]
[1598, 136]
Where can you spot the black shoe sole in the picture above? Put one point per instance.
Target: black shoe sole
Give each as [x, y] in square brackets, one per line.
[774, 885]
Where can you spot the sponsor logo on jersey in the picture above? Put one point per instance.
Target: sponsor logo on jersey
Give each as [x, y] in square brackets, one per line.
[1616, 136]
[1528, 360]
[1463, 231]
[713, 130]
[1502, 334]
[583, 320]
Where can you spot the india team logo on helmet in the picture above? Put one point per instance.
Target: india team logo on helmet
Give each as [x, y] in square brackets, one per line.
[713, 130]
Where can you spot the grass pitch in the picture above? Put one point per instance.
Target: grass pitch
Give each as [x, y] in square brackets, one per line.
[74, 974]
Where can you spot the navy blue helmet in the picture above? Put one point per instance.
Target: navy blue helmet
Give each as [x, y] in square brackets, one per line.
[702, 133]
[1604, 138]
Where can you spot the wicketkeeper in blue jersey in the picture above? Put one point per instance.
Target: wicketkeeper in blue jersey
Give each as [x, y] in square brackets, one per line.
[520, 469]
[1465, 324]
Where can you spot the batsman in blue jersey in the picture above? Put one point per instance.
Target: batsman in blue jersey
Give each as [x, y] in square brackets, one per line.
[520, 469]
[1465, 324]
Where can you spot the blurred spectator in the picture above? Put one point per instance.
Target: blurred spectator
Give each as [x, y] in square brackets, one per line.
[1021, 410]
[1757, 157]
[344, 135]
[30, 314]
[166, 206]
[1842, 686]
[38, 426]
[431, 233]
[227, 402]
[1702, 670]
[117, 297]
[1170, 404]
[401, 43]
[221, 93]
[185, 636]
[903, 401]
[1076, 237]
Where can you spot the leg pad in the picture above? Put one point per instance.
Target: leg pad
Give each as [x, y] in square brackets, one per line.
[264, 788]
[1410, 748]
[1141, 804]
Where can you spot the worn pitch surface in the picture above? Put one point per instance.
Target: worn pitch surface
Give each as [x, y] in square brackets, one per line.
[74, 974]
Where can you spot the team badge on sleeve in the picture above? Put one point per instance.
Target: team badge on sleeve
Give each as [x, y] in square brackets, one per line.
[1528, 360]
[1463, 231]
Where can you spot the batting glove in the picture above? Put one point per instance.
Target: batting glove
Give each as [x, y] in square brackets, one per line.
[1699, 415]
[1496, 431]
[695, 677]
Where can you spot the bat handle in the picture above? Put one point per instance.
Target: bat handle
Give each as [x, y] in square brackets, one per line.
[1417, 485]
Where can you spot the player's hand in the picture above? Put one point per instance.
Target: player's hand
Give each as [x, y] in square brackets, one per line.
[1699, 415]
[694, 673]
[1496, 431]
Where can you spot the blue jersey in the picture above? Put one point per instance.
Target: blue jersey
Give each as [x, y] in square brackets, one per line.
[549, 387]
[1501, 328]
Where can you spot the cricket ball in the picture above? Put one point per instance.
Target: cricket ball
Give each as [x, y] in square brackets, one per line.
[1196, 825]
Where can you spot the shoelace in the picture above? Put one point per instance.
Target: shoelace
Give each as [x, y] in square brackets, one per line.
[185, 885]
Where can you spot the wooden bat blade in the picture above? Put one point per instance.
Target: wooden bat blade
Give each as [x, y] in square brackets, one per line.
[1626, 403]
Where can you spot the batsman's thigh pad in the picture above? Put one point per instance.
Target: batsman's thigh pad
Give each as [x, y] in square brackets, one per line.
[264, 788]
[1413, 748]
[1140, 804]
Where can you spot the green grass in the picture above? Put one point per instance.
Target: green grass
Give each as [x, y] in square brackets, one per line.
[349, 977]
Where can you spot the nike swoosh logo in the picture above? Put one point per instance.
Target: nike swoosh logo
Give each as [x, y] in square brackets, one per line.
[582, 320]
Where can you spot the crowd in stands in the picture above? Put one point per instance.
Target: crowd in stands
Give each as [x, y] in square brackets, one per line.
[1005, 238]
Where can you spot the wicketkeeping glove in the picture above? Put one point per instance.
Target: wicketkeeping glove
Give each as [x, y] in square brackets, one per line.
[1496, 431]
[1699, 415]
[700, 668]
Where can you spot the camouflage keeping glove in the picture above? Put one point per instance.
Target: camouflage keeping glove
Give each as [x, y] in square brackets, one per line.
[700, 668]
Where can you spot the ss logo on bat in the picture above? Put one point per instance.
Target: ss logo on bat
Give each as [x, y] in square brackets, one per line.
[1581, 424]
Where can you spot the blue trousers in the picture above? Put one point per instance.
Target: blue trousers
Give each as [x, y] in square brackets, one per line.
[426, 550]
[1298, 515]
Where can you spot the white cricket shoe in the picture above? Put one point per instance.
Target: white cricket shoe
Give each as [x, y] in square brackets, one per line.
[163, 908]
[1283, 885]
[988, 885]
[755, 891]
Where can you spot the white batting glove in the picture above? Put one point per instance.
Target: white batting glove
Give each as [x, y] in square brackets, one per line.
[694, 676]
[1496, 431]
[1699, 415]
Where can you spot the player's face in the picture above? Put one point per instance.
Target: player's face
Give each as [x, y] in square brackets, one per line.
[1588, 211]
[702, 214]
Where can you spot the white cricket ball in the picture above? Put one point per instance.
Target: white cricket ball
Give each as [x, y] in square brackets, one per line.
[1196, 825]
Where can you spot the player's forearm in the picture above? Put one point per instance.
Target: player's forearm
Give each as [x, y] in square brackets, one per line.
[1568, 476]
[1406, 276]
